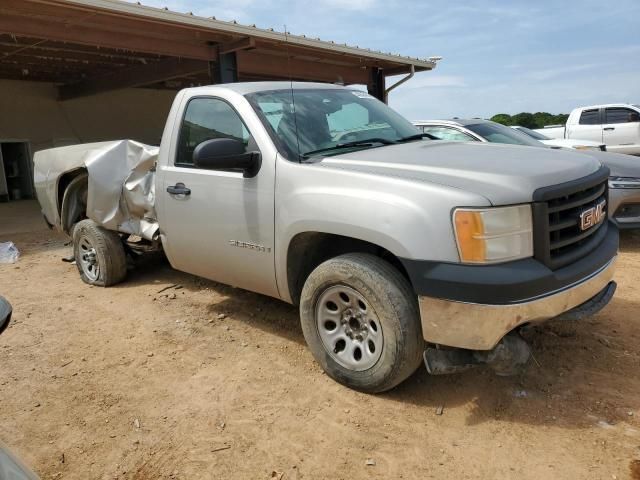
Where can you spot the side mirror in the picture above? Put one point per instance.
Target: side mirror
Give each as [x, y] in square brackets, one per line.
[5, 314]
[227, 154]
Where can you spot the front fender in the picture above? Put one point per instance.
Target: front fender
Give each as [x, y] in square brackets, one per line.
[411, 219]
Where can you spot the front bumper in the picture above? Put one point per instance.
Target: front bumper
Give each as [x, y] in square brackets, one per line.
[481, 326]
[624, 207]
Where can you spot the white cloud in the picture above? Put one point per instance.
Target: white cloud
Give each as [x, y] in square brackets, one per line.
[350, 4]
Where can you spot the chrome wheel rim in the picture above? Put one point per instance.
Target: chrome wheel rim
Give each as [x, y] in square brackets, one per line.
[349, 328]
[88, 259]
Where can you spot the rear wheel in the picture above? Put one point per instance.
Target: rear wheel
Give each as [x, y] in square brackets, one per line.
[99, 254]
[360, 319]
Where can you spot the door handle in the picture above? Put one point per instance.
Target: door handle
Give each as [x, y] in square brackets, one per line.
[609, 128]
[179, 189]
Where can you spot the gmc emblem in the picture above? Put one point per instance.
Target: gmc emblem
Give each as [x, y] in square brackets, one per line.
[592, 216]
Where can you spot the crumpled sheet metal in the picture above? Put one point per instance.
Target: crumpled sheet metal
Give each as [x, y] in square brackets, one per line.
[121, 193]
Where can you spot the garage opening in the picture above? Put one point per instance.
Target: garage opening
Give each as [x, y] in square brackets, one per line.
[15, 171]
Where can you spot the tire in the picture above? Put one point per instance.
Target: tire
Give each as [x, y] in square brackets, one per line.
[390, 320]
[99, 254]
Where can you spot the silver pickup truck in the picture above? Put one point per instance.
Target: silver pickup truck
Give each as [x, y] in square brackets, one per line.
[395, 248]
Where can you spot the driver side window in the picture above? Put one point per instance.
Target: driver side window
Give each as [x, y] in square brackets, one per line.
[206, 119]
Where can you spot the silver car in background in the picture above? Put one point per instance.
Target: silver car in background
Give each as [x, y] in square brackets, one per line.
[561, 142]
[624, 181]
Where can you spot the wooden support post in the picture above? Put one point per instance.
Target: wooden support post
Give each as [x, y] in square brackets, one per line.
[376, 84]
[225, 70]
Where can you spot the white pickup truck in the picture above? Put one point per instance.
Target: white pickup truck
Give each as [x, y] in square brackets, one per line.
[617, 125]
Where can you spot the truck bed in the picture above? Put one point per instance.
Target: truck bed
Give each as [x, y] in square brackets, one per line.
[121, 187]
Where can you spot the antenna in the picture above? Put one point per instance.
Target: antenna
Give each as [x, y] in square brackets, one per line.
[293, 99]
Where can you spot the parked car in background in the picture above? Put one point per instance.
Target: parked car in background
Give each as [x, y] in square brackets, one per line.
[475, 130]
[562, 142]
[616, 125]
[624, 180]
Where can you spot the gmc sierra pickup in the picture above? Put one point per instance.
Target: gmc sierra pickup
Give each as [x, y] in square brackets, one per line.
[395, 248]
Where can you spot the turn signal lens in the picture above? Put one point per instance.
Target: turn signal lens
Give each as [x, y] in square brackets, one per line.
[494, 235]
[469, 230]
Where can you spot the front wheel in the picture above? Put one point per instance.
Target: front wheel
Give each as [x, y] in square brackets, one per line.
[361, 321]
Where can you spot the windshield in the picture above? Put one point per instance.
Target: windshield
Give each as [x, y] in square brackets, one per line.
[532, 133]
[496, 133]
[328, 122]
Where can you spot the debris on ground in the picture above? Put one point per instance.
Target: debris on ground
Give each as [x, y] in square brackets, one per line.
[8, 252]
[439, 410]
[168, 287]
[370, 462]
[218, 449]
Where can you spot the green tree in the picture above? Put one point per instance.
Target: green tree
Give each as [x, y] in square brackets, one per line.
[561, 118]
[524, 119]
[542, 118]
[529, 120]
[503, 118]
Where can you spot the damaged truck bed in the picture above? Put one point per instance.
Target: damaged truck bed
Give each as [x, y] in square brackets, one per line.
[112, 183]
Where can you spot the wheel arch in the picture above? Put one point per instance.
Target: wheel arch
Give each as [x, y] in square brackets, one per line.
[307, 250]
[70, 196]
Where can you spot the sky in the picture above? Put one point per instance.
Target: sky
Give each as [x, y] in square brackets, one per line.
[498, 56]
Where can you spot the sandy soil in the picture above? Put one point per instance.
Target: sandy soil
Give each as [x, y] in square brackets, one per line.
[208, 381]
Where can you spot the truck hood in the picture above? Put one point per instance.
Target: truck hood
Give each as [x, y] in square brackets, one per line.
[504, 174]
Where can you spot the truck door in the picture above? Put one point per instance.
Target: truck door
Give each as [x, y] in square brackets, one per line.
[621, 130]
[589, 126]
[218, 224]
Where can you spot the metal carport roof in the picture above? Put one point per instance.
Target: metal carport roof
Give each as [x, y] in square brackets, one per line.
[91, 46]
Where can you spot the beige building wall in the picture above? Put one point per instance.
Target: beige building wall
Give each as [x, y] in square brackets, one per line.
[29, 111]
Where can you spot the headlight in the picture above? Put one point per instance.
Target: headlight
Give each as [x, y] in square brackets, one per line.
[624, 182]
[586, 147]
[494, 234]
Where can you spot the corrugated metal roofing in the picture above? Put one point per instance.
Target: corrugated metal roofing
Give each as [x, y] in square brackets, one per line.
[233, 27]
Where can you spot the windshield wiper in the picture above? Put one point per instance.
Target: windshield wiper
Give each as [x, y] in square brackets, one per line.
[417, 136]
[356, 143]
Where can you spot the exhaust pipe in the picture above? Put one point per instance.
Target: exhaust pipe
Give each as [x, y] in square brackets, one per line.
[509, 357]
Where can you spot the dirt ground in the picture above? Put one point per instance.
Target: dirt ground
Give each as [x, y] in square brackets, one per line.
[207, 381]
